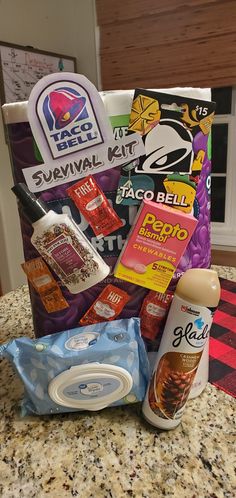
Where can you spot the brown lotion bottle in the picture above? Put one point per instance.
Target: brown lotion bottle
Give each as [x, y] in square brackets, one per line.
[62, 244]
[185, 334]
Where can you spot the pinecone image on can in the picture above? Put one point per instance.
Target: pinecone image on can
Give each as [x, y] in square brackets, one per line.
[174, 391]
[170, 385]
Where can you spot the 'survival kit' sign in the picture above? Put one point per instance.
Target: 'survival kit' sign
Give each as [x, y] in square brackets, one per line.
[73, 133]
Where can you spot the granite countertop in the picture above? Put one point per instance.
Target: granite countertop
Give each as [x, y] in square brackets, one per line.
[113, 453]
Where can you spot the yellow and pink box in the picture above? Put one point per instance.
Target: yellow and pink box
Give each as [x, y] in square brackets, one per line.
[158, 239]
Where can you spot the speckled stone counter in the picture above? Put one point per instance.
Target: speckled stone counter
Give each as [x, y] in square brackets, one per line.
[113, 453]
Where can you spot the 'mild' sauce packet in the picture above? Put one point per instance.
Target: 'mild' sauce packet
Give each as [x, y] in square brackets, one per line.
[45, 285]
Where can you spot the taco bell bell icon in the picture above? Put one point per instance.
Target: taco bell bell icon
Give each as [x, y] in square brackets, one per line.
[63, 106]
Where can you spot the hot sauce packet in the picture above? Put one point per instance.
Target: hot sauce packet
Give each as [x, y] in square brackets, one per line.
[107, 306]
[44, 283]
[39, 275]
[53, 300]
[94, 206]
[154, 312]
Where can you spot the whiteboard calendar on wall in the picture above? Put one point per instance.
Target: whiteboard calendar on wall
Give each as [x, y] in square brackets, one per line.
[22, 67]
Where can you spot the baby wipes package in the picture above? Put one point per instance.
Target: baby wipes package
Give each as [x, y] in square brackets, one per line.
[87, 368]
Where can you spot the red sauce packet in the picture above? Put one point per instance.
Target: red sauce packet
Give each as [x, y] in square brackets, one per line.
[45, 284]
[94, 206]
[154, 312]
[107, 306]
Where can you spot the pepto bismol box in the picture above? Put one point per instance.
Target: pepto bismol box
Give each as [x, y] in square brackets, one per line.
[155, 246]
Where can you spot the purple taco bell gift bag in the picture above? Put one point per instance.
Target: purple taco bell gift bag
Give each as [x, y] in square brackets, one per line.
[24, 153]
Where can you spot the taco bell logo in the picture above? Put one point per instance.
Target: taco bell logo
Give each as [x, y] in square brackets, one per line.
[63, 106]
[68, 119]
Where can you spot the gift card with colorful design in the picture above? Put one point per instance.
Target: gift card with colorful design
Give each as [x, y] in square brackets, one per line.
[170, 170]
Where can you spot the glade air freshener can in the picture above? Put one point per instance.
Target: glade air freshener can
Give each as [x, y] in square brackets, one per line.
[186, 332]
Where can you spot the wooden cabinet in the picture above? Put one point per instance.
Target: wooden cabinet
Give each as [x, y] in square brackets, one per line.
[167, 43]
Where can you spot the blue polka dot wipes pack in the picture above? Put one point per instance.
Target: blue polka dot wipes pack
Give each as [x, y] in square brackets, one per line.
[86, 368]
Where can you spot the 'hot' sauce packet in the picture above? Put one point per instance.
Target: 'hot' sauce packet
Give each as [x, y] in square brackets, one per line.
[43, 282]
[154, 312]
[107, 306]
[94, 206]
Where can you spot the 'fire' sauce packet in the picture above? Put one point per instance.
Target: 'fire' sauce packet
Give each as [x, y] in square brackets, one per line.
[154, 312]
[107, 306]
[43, 282]
[94, 206]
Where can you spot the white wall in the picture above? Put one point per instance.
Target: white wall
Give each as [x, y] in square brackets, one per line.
[66, 27]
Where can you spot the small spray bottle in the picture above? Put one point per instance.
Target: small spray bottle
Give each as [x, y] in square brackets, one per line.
[186, 332]
[62, 244]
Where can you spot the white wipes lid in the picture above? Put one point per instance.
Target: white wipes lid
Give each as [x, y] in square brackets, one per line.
[90, 387]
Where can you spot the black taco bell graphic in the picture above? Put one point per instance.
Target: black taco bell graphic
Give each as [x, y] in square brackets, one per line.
[168, 148]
